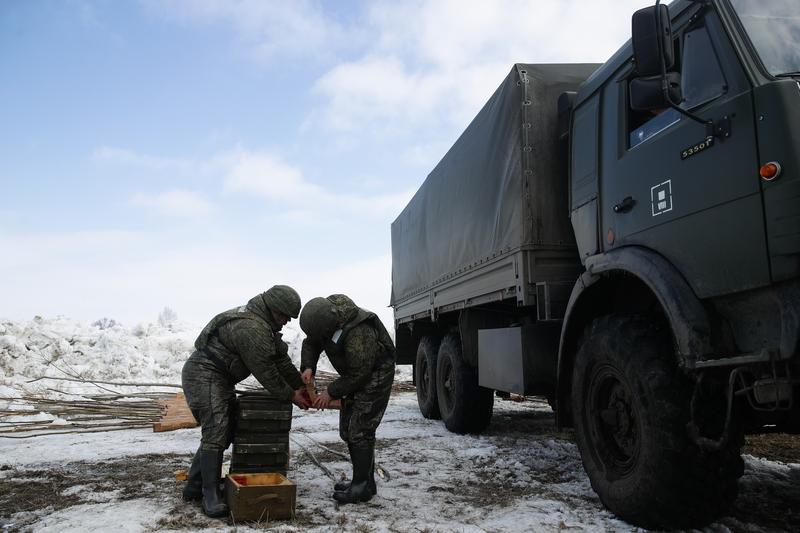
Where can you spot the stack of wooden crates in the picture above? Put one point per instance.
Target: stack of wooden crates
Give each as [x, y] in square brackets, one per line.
[261, 438]
[257, 487]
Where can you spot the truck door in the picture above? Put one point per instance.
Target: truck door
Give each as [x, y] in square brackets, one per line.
[665, 188]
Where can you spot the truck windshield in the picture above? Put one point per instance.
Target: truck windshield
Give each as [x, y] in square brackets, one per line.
[774, 29]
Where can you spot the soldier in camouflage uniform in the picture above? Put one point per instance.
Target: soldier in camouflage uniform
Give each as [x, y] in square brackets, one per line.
[362, 352]
[235, 344]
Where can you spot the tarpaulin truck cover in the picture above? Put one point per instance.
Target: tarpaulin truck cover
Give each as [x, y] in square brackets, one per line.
[502, 185]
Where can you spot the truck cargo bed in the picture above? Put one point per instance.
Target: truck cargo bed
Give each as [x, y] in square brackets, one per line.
[491, 222]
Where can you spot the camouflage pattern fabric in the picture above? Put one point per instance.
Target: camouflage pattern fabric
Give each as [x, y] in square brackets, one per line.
[283, 299]
[211, 398]
[362, 352]
[345, 308]
[363, 410]
[246, 341]
[359, 344]
[232, 346]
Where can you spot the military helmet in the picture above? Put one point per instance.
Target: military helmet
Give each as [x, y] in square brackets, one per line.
[319, 318]
[283, 299]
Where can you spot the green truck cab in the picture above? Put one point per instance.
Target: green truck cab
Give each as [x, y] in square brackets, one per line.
[623, 239]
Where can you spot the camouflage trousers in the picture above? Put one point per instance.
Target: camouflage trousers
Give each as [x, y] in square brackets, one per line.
[212, 400]
[363, 410]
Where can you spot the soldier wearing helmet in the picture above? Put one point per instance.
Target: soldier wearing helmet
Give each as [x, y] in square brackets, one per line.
[235, 344]
[362, 352]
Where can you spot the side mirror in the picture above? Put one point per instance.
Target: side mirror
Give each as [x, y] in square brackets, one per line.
[652, 40]
[655, 87]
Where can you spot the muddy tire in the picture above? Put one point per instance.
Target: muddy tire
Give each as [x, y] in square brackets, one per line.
[425, 377]
[631, 409]
[465, 407]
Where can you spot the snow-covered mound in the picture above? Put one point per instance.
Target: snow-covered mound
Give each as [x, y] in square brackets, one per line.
[104, 350]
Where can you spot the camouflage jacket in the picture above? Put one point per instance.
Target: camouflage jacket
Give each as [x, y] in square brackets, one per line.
[359, 345]
[245, 340]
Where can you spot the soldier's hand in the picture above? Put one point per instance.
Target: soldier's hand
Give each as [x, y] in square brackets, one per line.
[323, 400]
[300, 399]
[307, 376]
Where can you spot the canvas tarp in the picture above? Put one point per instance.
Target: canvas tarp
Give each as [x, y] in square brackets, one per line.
[490, 192]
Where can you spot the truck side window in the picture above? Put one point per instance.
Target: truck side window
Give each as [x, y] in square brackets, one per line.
[701, 81]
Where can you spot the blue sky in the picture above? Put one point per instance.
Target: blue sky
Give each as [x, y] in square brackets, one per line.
[192, 154]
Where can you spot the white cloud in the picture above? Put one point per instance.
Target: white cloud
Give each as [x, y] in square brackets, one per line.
[415, 68]
[375, 88]
[267, 28]
[440, 60]
[270, 177]
[261, 173]
[178, 203]
[417, 62]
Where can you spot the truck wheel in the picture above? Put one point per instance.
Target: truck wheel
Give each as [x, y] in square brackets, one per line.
[631, 409]
[425, 377]
[465, 407]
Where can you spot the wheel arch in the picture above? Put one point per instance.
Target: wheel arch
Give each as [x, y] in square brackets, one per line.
[408, 336]
[630, 279]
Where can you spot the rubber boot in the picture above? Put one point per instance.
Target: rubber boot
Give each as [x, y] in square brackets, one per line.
[371, 477]
[343, 485]
[193, 491]
[359, 490]
[210, 467]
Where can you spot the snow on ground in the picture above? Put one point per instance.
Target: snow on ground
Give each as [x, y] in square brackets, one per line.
[520, 475]
[505, 480]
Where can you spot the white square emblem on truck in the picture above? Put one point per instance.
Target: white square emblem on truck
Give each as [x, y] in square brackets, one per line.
[661, 198]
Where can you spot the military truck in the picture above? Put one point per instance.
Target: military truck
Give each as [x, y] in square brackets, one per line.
[624, 240]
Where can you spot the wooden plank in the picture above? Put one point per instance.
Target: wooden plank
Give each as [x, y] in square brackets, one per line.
[159, 427]
[176, 414]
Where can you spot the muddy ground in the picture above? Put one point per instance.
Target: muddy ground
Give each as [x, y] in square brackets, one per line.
[769, 492]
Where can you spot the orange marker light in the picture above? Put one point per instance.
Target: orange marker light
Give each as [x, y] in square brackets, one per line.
[770, 171]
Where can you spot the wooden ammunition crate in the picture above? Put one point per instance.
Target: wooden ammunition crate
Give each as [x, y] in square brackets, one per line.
[267, 459]
[260, 497]
[252, 437]
[264, 425]
[277, 461]
[257, 449]
[261, 436]
[260, 469]
[263, 402]
[263, 414]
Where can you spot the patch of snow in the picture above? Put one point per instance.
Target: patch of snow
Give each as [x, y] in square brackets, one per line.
[131, 516]
[88, 494]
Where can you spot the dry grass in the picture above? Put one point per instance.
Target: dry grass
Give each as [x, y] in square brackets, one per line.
[775, 447]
